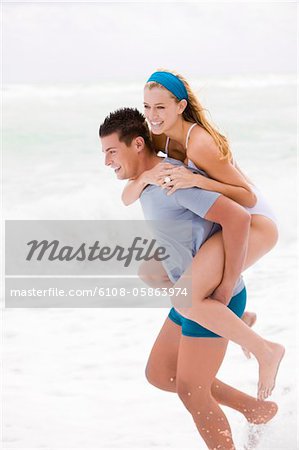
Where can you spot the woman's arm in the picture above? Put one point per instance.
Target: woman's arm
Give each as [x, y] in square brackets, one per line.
[182, 178]
[133, 188]
[243, 196]
[224, 177]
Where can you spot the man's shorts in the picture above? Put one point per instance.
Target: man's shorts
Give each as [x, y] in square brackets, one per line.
[189, 328]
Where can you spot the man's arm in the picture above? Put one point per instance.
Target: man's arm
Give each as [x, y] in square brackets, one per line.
[235, 223]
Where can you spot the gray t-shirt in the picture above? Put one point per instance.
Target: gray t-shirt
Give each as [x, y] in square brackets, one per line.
[178, 223]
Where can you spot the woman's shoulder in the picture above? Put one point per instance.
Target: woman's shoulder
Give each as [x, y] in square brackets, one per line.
[201, 144]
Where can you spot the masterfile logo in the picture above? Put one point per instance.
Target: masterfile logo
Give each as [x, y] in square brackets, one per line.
[91, 263]
[141, 249]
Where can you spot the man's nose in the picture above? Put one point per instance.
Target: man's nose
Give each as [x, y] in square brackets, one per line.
[107, 160]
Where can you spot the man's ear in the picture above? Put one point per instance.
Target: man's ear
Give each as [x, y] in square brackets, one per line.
[182, 105]
[139, 143]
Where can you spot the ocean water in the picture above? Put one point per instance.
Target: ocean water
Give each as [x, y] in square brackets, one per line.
[75, 378]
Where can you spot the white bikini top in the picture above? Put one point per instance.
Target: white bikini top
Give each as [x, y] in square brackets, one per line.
[191, 163]
[187, 139]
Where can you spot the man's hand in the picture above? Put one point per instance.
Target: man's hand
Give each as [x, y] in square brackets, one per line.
[223, 293]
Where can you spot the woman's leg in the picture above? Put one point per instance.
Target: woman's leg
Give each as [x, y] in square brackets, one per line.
[249, 318]
[161, 370]
[194, 381]
[264, 235]
[206, 273]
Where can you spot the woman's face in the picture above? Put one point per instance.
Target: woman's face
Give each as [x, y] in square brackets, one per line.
[160, 109]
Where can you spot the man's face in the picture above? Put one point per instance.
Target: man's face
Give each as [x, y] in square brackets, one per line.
[122, 159]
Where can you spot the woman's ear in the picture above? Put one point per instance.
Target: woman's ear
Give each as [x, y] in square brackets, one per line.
[182, 106]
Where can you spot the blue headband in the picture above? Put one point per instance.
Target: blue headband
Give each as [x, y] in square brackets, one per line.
[170, 82]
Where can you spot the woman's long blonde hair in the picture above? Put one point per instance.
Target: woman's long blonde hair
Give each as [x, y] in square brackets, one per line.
[194, 112]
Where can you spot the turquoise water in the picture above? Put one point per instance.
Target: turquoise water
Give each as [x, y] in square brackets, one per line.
[51, 146]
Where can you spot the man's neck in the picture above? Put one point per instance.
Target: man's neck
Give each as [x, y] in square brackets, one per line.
[147, 162]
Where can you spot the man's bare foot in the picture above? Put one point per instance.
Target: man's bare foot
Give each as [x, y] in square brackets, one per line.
[249, 318]
[255, 433]
[261, 413]
[257, 418]
[268, 368]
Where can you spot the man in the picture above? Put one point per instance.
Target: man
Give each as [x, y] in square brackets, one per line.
[172, 366]
[129, 157]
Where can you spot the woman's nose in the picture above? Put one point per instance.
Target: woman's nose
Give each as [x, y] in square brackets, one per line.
[153, 115]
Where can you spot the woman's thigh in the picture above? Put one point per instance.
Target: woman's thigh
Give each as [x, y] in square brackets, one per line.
[210, 258]
[162, 362]
[207, 266]
[204, 274]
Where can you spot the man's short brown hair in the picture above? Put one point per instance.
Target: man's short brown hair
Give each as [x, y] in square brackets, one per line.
[128, 123]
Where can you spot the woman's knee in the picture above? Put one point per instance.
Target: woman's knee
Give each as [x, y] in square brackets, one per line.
[262, 238]
[265, 231]
[143, 273]
[152, 273]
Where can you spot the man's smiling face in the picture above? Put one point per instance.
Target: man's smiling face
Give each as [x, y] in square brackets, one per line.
[121, 158]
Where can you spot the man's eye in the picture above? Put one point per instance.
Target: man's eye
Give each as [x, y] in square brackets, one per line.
[146, 107]
[160, 107]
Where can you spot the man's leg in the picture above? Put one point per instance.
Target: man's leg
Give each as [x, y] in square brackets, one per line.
[162, 362]
[199, 360]
[161, 372]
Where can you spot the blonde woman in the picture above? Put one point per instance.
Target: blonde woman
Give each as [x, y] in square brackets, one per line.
[180, 128]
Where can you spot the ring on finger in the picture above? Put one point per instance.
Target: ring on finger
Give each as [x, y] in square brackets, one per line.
[167, 180]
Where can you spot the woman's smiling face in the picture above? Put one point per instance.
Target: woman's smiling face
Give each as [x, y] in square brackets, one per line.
[160, 109]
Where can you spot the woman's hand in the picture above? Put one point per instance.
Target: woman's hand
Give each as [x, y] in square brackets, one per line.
[157, 174]
[182, 178]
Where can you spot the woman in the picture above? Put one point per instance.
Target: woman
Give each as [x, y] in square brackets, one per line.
[174, 111]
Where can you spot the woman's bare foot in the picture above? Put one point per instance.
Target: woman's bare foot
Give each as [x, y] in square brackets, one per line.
[269, 360]
[261, 413]
[249, 318]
